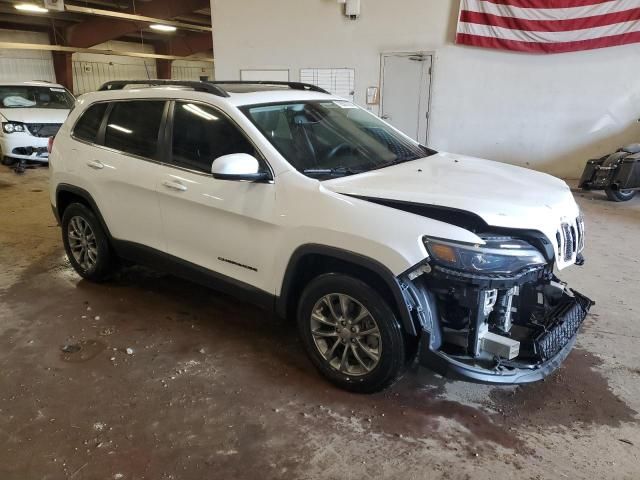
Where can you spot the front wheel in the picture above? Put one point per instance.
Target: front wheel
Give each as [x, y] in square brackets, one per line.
[351, 334]
[620, 195]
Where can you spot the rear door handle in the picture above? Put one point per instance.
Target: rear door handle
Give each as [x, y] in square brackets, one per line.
[96, 164]
[174, 186]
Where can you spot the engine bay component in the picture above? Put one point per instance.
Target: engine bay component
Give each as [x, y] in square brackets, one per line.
[499, 329]
[500, 346]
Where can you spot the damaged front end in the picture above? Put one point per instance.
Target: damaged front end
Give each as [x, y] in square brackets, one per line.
[493, 314]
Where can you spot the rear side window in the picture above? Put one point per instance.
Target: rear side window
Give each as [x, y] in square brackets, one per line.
[89, 123]
[132, 127]
[201, 134]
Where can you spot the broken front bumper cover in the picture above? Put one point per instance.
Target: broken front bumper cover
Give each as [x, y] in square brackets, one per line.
[552, 345]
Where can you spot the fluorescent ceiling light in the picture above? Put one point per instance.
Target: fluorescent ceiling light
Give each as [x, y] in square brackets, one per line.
[163, 28]
[30, 7]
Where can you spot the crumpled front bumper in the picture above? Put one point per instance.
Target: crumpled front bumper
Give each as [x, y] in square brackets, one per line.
[24, 146]
[554, 347]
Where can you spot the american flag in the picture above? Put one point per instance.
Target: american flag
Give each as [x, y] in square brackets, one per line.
[548, 26]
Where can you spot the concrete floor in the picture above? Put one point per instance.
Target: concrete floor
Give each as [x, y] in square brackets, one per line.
[215, 388]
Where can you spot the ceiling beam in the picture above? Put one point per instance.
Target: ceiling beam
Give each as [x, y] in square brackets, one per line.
[102, 29]
[136, 18]
[60, 48]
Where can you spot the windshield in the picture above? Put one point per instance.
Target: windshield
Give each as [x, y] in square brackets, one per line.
[327, 139]
[25, 96]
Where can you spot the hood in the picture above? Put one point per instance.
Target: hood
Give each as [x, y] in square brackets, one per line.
[500, 194]
[35, 115]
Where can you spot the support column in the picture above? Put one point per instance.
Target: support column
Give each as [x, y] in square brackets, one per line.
[63, 68]
[163, 68]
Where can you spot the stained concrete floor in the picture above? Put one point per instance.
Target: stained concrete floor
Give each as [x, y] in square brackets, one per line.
[214, 388]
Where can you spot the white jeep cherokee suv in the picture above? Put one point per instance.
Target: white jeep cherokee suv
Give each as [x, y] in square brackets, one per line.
[284, 195]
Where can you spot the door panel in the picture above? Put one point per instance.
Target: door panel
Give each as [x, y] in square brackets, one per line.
[221, 225]
[405, 93]
[124, 182]
[224, 226]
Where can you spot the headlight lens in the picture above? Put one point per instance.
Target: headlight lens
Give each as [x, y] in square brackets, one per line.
[10, 127]
[505, 255]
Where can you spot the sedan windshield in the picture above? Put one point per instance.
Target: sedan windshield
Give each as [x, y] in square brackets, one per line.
[26, 96]
[329, 139]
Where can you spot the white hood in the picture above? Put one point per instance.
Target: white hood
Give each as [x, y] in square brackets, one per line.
[34, 115]
[502, 195]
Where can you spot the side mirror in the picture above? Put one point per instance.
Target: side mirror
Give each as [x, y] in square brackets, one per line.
[239, 167]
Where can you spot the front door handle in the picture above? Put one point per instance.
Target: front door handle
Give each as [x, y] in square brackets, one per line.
[175, 186]
[96, 164]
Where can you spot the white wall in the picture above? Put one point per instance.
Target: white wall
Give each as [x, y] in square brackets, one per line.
[91, 70]
[22, 65]
[191, 70]
[549, 112]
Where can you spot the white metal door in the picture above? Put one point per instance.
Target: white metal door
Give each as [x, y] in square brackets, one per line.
[406, 85]
[223, 226]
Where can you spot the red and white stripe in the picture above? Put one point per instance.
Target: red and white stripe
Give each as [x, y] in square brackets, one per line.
[548, 26]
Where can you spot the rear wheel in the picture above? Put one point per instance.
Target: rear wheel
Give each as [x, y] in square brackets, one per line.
[351, 334]
[620, 195]
[86, 243]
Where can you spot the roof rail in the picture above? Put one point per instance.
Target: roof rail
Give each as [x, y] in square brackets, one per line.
[214, 87]
[196, 85]
[291, 85]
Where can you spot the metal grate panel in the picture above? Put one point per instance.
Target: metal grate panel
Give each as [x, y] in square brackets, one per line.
[566, 320]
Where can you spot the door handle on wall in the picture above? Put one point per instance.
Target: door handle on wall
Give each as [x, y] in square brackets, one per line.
[174, 186]
[95, 164]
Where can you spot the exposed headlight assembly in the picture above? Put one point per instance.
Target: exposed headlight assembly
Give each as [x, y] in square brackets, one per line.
[10, 127]
[504, 255]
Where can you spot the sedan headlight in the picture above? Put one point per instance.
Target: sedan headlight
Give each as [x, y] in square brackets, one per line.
[505, 255]
[10, 127]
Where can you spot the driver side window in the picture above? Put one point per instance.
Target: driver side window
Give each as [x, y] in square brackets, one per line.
[201, 134]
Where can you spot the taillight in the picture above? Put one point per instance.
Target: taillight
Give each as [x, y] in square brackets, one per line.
[50, 144]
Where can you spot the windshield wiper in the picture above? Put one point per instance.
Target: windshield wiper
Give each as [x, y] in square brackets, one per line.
[331, 172]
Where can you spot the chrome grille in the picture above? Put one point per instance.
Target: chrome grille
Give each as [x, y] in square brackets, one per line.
[570, 239]
[580, 225]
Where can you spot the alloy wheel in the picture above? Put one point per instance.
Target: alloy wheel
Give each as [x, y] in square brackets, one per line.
[346, 334]
[82, 243]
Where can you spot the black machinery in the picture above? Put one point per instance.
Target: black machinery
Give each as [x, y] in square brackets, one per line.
[618, 174]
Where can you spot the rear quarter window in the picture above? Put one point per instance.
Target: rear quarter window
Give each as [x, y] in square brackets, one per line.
[89, 123]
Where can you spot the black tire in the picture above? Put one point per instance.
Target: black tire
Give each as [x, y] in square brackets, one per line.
[619, 195]
[103, 265]
[390, 340]
[8, 160]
